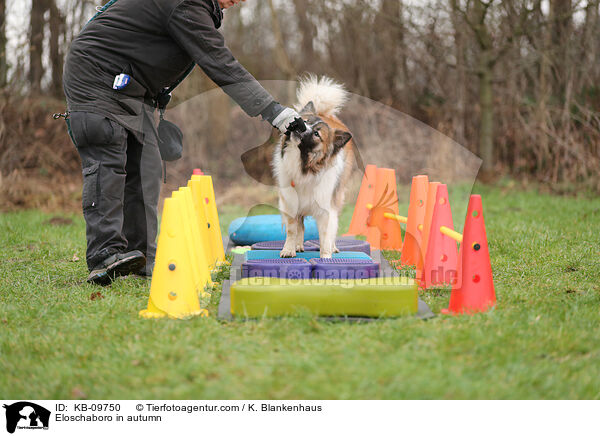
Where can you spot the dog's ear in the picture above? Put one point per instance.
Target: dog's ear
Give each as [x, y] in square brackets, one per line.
[340, 139]
[309, 108]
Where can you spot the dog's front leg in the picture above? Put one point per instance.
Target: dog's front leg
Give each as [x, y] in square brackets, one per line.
[300, 235]
[328, 246]
[324, 237]
[291, 227]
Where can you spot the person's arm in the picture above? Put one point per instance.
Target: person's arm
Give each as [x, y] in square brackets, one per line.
[192, 27]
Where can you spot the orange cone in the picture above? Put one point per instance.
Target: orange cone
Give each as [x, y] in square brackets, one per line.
[411, 250]
[440, 266]
[383, 233]
[358, 225]
[474, 292]
[431, 194]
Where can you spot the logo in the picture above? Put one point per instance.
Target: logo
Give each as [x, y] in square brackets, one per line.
[26, 415]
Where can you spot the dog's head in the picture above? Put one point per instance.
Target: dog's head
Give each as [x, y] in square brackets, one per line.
[320, 143]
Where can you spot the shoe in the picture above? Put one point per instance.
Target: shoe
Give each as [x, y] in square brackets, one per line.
[143, 273]
[120, 264]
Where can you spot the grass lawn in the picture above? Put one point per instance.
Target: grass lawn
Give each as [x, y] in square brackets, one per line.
[541, 340]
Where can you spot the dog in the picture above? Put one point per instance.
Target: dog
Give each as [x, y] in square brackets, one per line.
[312, 168]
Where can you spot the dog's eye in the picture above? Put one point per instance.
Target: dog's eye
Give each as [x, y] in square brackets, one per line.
[317, 134]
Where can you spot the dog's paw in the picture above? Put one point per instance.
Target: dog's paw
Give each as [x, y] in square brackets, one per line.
[287, 252]
[325, 255]
[300, 248]
[335, 249]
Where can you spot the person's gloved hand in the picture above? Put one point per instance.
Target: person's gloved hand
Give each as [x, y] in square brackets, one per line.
[289, 120]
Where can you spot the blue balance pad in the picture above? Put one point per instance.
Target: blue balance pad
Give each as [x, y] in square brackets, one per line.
[261, 228]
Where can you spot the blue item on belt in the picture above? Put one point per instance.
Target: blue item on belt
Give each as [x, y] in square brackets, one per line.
[121, 81]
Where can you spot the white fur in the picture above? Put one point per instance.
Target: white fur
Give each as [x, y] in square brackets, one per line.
[311, 194]
[327, 95]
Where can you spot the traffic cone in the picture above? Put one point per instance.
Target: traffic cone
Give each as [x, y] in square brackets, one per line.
[176, 279]
[474, 292]
[358, 225]
[196, 187]
[441, 258]
[431, 194]
[212, 216]
[384, 233]
[198, 246]
[411, 250]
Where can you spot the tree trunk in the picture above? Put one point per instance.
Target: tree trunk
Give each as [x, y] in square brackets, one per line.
[281, 57]
[56, 54]
[308, 32]
[486, 130]
[36, 47]
[3, 61]
[459, 118]
[485, 72]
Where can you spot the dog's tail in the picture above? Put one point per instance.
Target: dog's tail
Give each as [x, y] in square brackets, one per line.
[326, 94]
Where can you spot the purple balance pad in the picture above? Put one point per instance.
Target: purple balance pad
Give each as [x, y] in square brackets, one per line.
[281, 268]
[342, 245]
[278, 245]
[344, 268]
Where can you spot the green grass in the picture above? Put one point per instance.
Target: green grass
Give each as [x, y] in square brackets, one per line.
[541, 341]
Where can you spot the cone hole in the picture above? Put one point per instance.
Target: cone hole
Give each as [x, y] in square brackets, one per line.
[206, 200]
[443, 258]
[172, 296]
[475, 214]
[476, 278]
[384, 236]
[421, 202]
[476, 246]
[442, 200]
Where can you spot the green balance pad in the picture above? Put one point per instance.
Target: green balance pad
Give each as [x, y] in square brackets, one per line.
[377, 297]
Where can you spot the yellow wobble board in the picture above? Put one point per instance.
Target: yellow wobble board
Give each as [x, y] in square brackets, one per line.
[377, 297]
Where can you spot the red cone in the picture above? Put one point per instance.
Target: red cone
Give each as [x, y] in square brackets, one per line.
[474, 291]
[440, 267]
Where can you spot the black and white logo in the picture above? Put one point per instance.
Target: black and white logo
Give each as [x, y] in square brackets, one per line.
[26, 415]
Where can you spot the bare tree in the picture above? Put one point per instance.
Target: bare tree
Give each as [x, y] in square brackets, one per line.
[36, 44]
[3, 61]
[56, 24]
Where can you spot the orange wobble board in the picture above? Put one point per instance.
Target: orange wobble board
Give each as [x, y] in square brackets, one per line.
[377, 297]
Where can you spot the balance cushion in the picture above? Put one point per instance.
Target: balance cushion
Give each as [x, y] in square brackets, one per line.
[259, 228]
[283, 268]
[344, 268]
[377, 297]
[274, 254]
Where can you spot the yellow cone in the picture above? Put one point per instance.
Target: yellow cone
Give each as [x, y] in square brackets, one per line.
[176, 280]
[198, 248]
[196, 186]
[212, 216]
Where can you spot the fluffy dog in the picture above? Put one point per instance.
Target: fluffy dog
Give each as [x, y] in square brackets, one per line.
[313, 167]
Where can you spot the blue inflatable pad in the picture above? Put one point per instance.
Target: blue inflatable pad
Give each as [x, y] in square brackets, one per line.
[261, 228]
[274, 254]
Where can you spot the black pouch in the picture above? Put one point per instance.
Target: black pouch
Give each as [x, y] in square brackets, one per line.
[170, 140]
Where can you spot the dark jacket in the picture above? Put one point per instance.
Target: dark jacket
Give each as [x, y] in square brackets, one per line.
[155, 42]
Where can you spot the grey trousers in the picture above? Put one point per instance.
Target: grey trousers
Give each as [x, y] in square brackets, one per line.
[121, 186]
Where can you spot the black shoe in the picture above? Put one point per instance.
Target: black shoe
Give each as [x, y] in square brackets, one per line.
[120, 264]
[143, 273]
